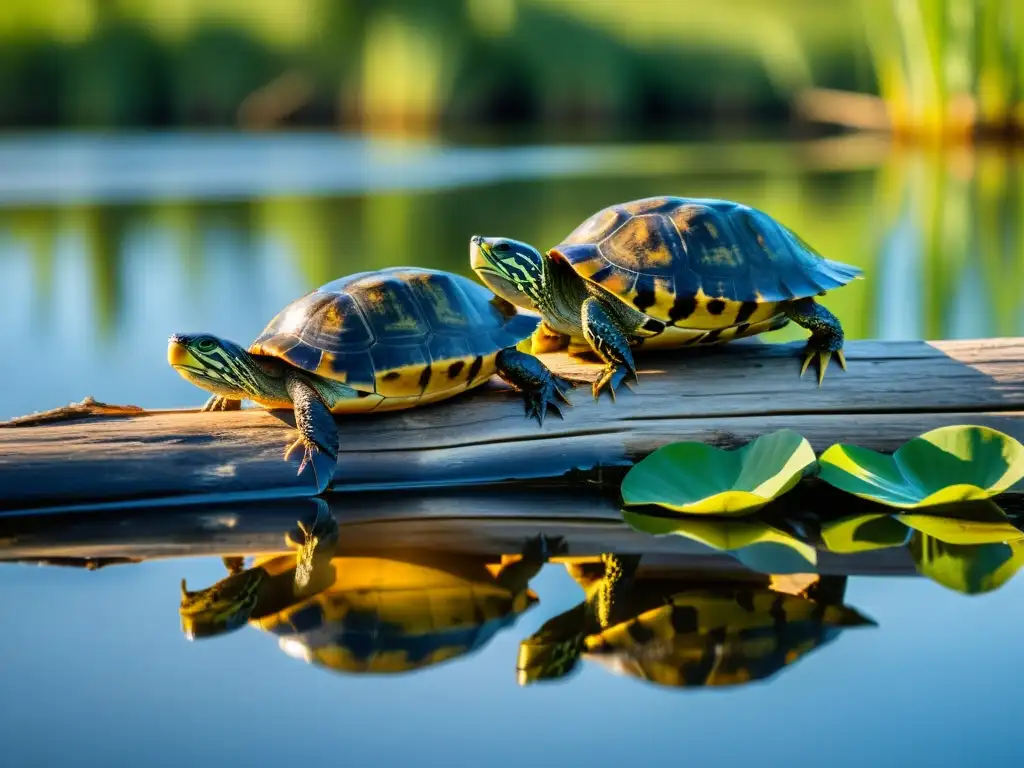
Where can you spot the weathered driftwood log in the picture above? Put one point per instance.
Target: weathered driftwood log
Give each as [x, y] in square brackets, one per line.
[471, 522]
[725, 396]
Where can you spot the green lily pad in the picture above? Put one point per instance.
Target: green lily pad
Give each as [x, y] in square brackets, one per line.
[759, 546]
[863, 533]
[698, 478]
[971, 569]
[947, 465]
[979, 522]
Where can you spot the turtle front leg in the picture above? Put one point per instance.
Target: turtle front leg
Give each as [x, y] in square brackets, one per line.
[314, 545]
[540, 387]
[219, 403]
[611, 344]
[318, 434]
[826, 334]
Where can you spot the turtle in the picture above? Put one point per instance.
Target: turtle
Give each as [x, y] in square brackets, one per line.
[667, 272]
[686, 629]
[377, 341]
[378, 613]
[273, 583]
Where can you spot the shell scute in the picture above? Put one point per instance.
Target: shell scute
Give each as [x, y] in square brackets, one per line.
[400, 369]
[646, 243]
[390, 308]
[443, 349]
[446, 307]
[648, 205]
[597, 227]
[304, 356]
[319, 321]
[354, 369]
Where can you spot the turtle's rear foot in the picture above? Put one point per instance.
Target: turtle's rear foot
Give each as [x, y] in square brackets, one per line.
[540, 387]
[218, 403]
[826, 335]
[823, 351]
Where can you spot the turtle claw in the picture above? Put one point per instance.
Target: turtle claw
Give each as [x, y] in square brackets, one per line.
[611, 377]
[314, 543]
[321, 464]
[549, 394]
[824, 356]
[218, 403]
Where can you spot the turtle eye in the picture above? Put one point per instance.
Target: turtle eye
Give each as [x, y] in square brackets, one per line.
[207, 345]
[502, 248]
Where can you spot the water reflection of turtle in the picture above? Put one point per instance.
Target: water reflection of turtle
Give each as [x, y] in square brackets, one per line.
[668, 272]
[271, 584]
[685, 630]
[397, 613]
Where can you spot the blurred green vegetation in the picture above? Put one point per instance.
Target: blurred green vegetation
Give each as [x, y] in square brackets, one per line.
[939, 235]
[411, 65]
[949, 68]
[945, 69]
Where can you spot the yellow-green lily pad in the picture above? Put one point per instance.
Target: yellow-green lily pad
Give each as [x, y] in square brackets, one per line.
[759, 546]
[978, 522]
[946, 465]
[969, 569]
[864, 533]
[697, 478]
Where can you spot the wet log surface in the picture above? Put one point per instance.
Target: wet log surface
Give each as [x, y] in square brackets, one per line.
[470, 522]
[892, 392]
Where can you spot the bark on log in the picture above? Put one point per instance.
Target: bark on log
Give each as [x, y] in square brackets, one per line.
[725, 396]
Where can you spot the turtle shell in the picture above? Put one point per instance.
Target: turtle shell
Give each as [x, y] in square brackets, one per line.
[402, 335]
[718, 637]
[698, 262]
[390, 616]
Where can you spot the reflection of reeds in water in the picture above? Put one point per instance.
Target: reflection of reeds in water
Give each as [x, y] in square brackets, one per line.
[948, 68]
[938, 235]
[952, 214]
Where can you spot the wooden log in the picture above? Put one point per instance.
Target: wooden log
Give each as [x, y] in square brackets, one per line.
[470, 522]
[724, 396]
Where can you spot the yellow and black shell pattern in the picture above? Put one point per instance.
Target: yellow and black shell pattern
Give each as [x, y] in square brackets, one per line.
[699, 263]
[385, 616]
[402, 336]
[716, 638]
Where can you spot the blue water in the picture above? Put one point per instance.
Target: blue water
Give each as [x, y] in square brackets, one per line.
[97, 671]
[108, 245]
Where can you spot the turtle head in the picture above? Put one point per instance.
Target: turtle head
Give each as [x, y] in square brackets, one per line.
[512, 269]
[216, 365]
[224, 607]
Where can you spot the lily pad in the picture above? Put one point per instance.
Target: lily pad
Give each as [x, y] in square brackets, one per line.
[969, 569]
[979, 522]
[864, 533]
[946, 465]
[759, 546]
[697, 478]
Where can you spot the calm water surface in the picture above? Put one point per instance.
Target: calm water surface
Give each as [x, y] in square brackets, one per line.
[107, 246]
[97, 668]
